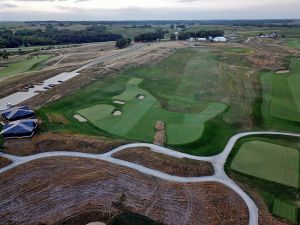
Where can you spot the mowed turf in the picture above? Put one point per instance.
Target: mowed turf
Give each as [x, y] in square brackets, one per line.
[24, 65]
[282, 93]
[268, 161]
[285, 210]
[139, 116]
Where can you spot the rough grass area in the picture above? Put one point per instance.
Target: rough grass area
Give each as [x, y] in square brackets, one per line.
[294, 43]
[281, 93]
[132, 219]
[191, 85]
[285, 210]
[268, 161]
[32, 63]
[139, 117]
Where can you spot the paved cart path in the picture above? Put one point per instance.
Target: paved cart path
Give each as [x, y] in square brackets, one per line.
[217, 161]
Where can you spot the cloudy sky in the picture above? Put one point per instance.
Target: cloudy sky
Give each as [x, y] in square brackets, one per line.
[13, 10]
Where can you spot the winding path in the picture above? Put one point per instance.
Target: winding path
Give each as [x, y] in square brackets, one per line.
[217, 161]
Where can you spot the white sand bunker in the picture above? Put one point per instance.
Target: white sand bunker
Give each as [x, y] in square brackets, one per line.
[119, 102]
[117, 113]
[80, 118]
[141, 97]
[282, 71]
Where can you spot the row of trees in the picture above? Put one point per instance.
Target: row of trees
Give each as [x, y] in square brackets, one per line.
[149, 37]
[123, 42]
[53, 36]
[200, 34]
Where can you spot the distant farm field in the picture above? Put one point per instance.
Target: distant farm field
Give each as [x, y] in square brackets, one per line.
[285, 210]
[281, 93]
[268, 161]
[33, 63]
[294, 43]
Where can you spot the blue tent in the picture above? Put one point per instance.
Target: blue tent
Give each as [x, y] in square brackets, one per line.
[17, 113]
[18, 129]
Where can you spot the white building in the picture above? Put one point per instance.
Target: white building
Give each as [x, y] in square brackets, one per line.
[219, 39]
[201, 39]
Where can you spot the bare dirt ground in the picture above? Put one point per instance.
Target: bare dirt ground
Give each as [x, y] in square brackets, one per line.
[160, 134]
[166, 164]
[266, 218]
[35, 193]
[4, 162]
[47, 142]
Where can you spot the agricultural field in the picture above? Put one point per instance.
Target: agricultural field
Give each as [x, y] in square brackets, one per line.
[30, 64]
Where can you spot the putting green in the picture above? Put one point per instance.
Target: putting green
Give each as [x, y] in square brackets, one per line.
[285, 210]
[268, 161]
[281, 93]
[140, 115]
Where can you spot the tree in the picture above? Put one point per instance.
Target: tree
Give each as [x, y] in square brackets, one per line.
[123, 42]
[5, 54]
[173, 37]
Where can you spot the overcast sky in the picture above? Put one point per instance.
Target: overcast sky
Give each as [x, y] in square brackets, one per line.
[13, 10]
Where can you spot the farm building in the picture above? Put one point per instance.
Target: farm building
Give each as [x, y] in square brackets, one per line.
[219, 39]
[19, 129]
[17, 113]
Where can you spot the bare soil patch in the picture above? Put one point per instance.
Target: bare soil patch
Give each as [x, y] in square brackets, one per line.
[47, 142]
[160, 136]
[265, 218]
[167, 164]
[47, 191]
[4, 162]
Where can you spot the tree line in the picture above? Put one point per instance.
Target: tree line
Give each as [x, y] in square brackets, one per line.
[200, 34]
[149, 37]
[123, 42]
[53, 36]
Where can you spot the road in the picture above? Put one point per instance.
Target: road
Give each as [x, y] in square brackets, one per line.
[217, 161]
[21, 96]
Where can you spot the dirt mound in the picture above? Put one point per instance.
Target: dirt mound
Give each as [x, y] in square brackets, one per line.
[47, 191]
[167, 164]
[4, 162]
[47, 142]
[160, 136]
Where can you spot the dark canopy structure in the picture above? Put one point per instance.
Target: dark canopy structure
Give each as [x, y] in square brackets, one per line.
[19, 129]
[17, 113]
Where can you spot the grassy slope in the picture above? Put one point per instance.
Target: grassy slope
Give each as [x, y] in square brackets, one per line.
[268, 161]
[33, 63]
[285, 210]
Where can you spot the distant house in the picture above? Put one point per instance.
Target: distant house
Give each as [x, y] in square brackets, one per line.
[201, 39]
[219, 39]
[19, 129]
[17, 113]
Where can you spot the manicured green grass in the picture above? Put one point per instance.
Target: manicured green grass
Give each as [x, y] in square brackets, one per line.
[268, 161]
[139, 117]
[285, 210]
[281, 93]
[294, 43]
[237, 50]
[33, 63]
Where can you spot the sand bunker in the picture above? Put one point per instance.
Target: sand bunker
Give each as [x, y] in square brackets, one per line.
[80, 118]
[117, 113]
[119, 102]
[282, 71]
[141, 97]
